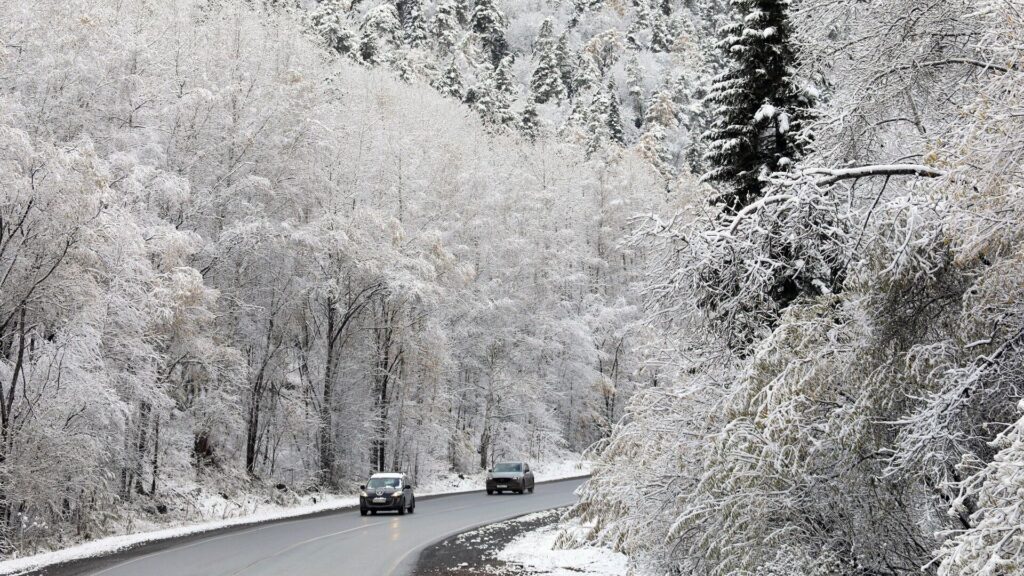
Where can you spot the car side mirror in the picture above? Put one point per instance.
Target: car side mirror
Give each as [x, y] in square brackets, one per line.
[362, 486]
[409, 486]
[490, 469]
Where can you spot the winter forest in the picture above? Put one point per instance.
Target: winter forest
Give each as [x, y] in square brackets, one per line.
[762, 261]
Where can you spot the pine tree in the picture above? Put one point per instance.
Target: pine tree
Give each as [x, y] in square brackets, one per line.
[613, 116]
[380, 30]
[604, 121]
[446, 27]
[545, 37]
[529, 121]
[492, 97]
[641, 21]
[329, 22]
[414, 24]
[661, 35]
[759, 110]
[546, 82]
[635, 80]
[450, 82]
[587, 74]
[565, 66]
[489, 23]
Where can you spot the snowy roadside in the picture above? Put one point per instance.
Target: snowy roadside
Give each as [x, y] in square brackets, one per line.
[255, 510]
[535, 552]
[522, 546]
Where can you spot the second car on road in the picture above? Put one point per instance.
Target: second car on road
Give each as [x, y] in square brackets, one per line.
[510, 476]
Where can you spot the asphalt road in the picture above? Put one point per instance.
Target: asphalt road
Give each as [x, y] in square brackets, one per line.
[337, 544]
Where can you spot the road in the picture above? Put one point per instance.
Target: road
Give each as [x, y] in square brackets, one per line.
[338, 544]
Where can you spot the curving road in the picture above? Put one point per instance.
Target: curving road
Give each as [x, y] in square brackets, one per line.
[337, 544]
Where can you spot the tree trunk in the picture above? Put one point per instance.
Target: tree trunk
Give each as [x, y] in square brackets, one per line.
[156, 456]
[326, 428]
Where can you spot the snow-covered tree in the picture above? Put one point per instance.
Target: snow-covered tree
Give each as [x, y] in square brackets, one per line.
[450, 82]
[488, 22]
[546, 82]
[760, 109]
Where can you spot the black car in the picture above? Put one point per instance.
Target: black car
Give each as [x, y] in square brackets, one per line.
[510, 476]
[387, 491]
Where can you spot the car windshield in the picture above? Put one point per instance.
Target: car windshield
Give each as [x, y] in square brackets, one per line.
[384, 483]
[508, 467]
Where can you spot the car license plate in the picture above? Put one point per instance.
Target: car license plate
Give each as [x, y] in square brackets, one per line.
[502, 485]
[379, 500]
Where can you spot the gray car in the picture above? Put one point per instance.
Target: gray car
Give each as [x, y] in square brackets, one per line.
[510, 477]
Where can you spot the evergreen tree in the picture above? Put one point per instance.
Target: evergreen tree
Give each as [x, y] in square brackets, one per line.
[604, 121]
[661, 35]
[380, 30]
[587, 74]
[759, 111]
[613, 116]
[446, 27]
[529, 121]
[492, 97]
[328, 21]
[450, 82]
[545, 37]
[565, 66]
[489, 23]
[635, 79]
[546, 82]
[413, 23]
[641, 21]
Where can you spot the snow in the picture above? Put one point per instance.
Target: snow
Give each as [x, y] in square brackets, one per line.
[250, 511]
[765, 111]
[535, 551]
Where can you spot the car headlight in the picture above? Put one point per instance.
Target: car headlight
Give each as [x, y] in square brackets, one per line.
[397, 494]
[363, 494]
[490, 476]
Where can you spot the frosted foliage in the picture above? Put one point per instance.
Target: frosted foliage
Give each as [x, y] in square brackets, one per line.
[850, 337]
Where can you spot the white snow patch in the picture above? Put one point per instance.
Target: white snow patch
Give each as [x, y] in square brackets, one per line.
[535, 552]
[765, 111]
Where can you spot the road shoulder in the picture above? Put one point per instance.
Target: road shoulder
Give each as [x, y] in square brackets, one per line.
[523, 546]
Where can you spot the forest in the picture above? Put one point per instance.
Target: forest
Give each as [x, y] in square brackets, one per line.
[761, 261]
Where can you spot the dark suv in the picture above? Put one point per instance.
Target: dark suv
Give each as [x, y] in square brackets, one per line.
[511, 476]
[387, 491]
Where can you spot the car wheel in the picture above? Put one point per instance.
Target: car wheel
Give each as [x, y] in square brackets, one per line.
[499, 491]
[531, 489]
[412, 509]
[490, 492]
[401, 510]
[373, 512]
[363, 512]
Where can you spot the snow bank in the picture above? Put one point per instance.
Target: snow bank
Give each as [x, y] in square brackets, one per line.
[535, 552]
[251, 511]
